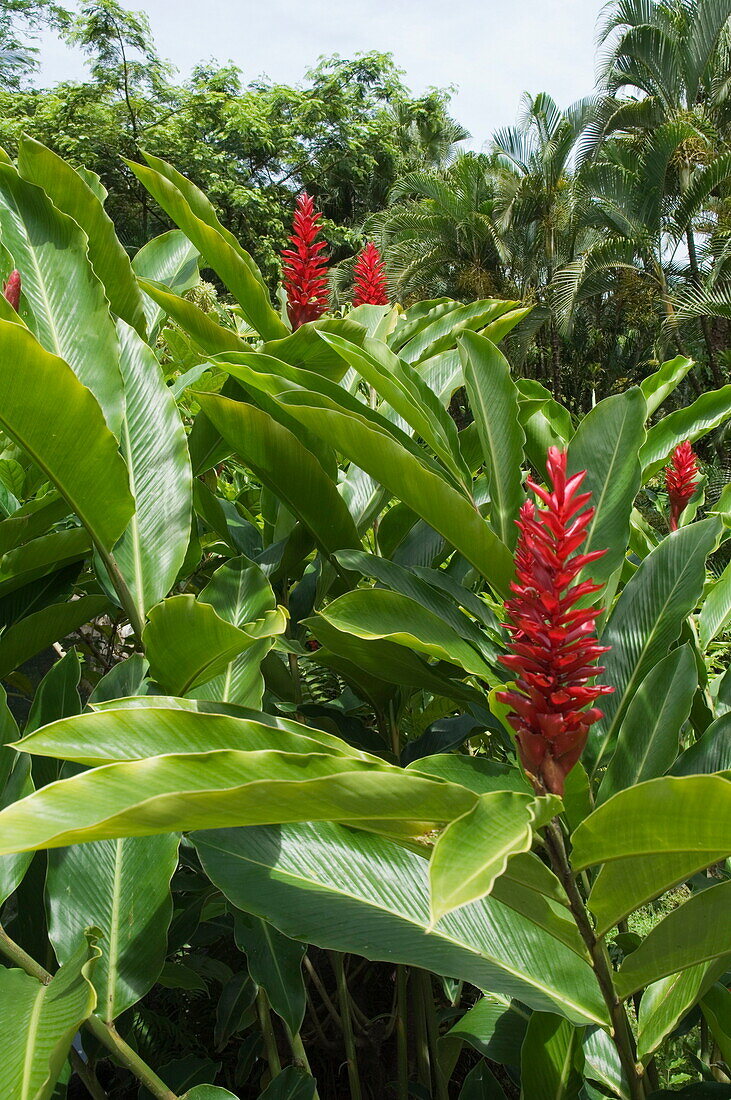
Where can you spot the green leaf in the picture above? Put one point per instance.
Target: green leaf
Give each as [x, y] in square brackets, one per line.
[210, 337]
[293, 1083]
[711, 753]
[650, 733]
[494, 402]
[134, 729]
[41, 556]
[651, 837]
[606, 444]
[552, 1059]
[187, 643]
[404, 475]
[715, 614]
[376, 613]
[656, 387]
[226, 788]
[495, 1027]
[240, 593]
[192, 212]
[706, 413]
[40, 629]
[170, 260]
[153, 442]
[666, 1002]
[38, 1022]
[73, 195]
[696, 932]
[286, 467]
[480, 1084]
[122, 888]
[716, 1007]
[474, 850]
[355, 892]
[13, 867]
[208, 1092]
[275, 963]
[70, 315]
[234, 1007]
[646, 621]
[80, 454]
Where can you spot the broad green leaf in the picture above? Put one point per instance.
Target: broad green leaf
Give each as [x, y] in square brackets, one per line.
[234, 1012]
[153, 442]
[481, 1084]
[285, 466]
[240, 593]
[651, 837]
[494, 402]
[441, 506]
[715, 614]
[473, 851]
[711, 753]
[696, 932]
[72, 194]
[355, 892]
[716, 1007]
[552, 1059]
[210, 337]
[226, 788]
[376, 613]
[666, 1002]
[187, 643]
[70, 315]
[122, 888]
[656, 387]
[41, 556]
[57, 695]
[646, 621]
[404, 390]
[13, 867]
[38, 1022]
[80, 454]
[40, 629]
[234, 266]
[606, 445]
[306, 348]
[275, 963]
[32, 520]
[157, 726]
[208, 1092]
[445, 323]
[650, 733]
[495, 1027]
[293, 1083]
[602, 1063]
[171, 260]
[706, 413]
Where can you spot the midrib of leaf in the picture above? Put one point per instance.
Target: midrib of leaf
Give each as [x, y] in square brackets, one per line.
[495, 481]
[138, 595]
[529, 979]
[31, 251]
[114, 929]
[31, 1036]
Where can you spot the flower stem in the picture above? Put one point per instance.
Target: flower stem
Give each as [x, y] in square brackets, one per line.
[621, 1031]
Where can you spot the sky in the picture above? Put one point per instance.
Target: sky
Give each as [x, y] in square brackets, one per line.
[490, 50]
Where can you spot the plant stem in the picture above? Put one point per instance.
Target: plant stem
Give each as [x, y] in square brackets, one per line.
[432, 1030]
[621, 1031]
[267, 1029]
[402, 1040]
[317, 982]
[107, 1035]
[87, 1076]
[423, 1067]
[300, 1055]
[122, 589]
[348, 1037]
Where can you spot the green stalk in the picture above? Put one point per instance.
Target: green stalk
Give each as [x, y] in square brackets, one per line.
[300, 1056]
[87, 1076]
[423, 1066]
[107, 1035]
[432, 1031]
[267, 1030]
[402, 1040]
[346, 1017]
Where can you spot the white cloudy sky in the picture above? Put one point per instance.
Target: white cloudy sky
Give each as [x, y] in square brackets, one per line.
[489, 49]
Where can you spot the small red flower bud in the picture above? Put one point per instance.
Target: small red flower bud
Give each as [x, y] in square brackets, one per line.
[11, 289]
[369, 278]
[554, 648]
[305, 270]
[681, 481]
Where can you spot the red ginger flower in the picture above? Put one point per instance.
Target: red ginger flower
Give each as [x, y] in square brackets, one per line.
[305, 270]
[554, 647]
[11, 289]
[681, 480]
[370, 280]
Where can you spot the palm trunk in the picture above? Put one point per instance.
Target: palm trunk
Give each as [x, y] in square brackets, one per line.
[705, 327]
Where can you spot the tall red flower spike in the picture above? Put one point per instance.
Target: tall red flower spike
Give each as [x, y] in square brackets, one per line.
[681, 480]
[305, 270]
[554, 647]
[370, 280]
[11, 289]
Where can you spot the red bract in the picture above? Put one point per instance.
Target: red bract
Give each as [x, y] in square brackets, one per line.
[554, 647]
[305, 270]
[681, 480]
[369, 278]
[11, 289]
